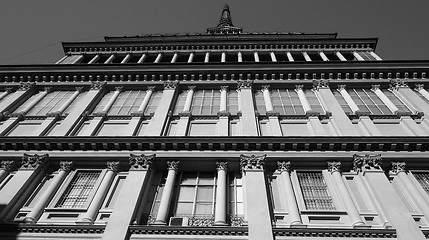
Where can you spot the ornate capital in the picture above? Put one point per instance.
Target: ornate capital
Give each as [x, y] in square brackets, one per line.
[243, 84]
[141, 162]
[221, 166]
[366, 162]
[223, 88]
[375, 87]
[341, 87]
[8, 89]
[419, 87]
[191, 88]
[334, 167]
[7, 165]
[252, 162]
[322, 83]
[283, 166]
[113, 166]
[97, 85]
[79, 89]
[398, 167]
[119, 88]
[299, 87]
[32, 162]
[150, 89]
[397, 83]
[26, 86]
[170, 84]
[66, 166]
[265, 87]
[47, 89]
[173, 165]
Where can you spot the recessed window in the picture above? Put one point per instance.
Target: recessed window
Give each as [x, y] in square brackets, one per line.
[315, 191]
[79, 190]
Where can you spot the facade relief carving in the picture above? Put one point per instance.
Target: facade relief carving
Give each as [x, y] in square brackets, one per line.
[366, 162]
[170, 84]
[141, 162]
[321, 83]
[32, 162]
[97, 85]
[173, 165]
[283, 166]
[113, 166]
[222, 166]
[398, 167]
[66, 166]
[252, 162]
[334, 167]
[244, 84]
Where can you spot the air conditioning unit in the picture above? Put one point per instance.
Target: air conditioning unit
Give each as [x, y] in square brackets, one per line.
[179, 221]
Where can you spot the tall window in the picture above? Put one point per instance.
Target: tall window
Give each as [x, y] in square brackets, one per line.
[315, 191]
[206, 102]
[260, 103]
[79, 190]
[368, 101]
[127, 103]
[395, 100]
[286, 102]
[423, 179]
[344, 105]
[367, 56]
[236, 205]
[50, 103]
[232, 104]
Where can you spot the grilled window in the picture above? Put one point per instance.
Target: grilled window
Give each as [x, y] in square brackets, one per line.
[423, 179]
[79, 190]
[315, 191]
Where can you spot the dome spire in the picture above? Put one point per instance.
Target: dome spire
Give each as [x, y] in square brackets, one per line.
[225, 25]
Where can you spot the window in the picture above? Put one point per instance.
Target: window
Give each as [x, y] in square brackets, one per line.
[28, 102]
[286, 102]
[127, 103]
[314, 102]
[236, 203]
[206, 102]
[260, 103]
[25, 128]
[368, 101]
[79, 190]
[396, 101]
[232, 103]
[423, 179]
[344, 105]
[50, 103]
[202, 128]
[315, 191]
[180, 102]
[113, 128]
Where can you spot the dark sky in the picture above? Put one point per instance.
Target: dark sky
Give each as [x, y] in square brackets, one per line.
[32, 31]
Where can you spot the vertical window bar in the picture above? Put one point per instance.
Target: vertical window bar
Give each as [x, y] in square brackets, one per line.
[77, 193]
[315, 191]
[423, 179]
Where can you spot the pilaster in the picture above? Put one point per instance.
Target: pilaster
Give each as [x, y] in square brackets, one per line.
[248, 118]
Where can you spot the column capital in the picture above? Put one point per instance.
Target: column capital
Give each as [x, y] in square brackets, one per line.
[341, 87]
[79, 89]
[170, 84]
[97, 85]
[26, 86]
[221, 166]
[150, 89]
[252, 162]
[397, 83]
[375, 87]
[283, 166]
[119, 88]
[223, 88]
[7, 165]
[141, 162]
[244, 84]
[113, 166]
[265, 87]
[173, 165]
[398, 167]
[47, 89]
[334, 167]
[66, 166]
[321, 83]
[32, 162]
[8, 89]
[366, 162]
[299, 87]
[191, 88]
[419, 87]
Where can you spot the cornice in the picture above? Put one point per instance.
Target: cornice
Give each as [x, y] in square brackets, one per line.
[66, 229]
[158, 230]
[343, 233]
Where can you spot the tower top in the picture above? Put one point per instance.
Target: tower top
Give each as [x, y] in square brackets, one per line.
[225, 25]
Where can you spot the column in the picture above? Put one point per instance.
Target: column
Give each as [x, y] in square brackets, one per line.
[375, 56]
[159, 119]
[223, 127]
[339, 119]
[207, 57]
[399, 168]
[110, 59]
[223, 57]
[136, 116]
[323, 56]
[191, 57]
[221, 189]
[273, 118]
[142, 58]
[158, 58]
[25, 180]
[49, 193]
[5, 93]
[70, 100]
[380, 94]
[267, 98]
[188, 101]
[307, 58]
[256, 56]
[94, 59]
[62, 59]
[289, 57]
[273, 57]
[91, 214]
[34, 102]
[75, 115]
[248, 119]
[167, 193]
[258, 212]
[340, 56]
[128, 201]
[126, 58]
[302, 98]
[347, 98]
[240, 57]
[5, 168]
[174, 58]
[292, 206]
[334, 168]
[182, 125]
[25, 88]
[358, 57]
[390, 202]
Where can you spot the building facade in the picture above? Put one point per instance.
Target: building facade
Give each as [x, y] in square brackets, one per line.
[227, 134]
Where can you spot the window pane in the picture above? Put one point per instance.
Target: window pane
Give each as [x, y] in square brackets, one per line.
[260, 103]
[205, 178]
[423, 179]
[186, 193]
[189, 178]
[106, 98]
[25, 128]
[204, 208]
[112, 128]
[184, 208]
[205, 193]
[295, 129]
[203, 129]
[77, 193]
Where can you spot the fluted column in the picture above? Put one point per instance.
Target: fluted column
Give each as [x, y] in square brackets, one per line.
[109, 104]
[292, 206]
[411, 187]
[386, 100]
[70, 100]
[207, 57]
[47, 195]
[223, 57]
[146, 99]
[5, 93]
[110, 59]
[126, 58]
[267, 98]
[94, 59]
[334, 168]
[174, 58]
[223, 98]
[35, 101]
[100, 195]
[340, 56]
[5, 168]
[167, 193]
[221, 189]
[158, 58]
